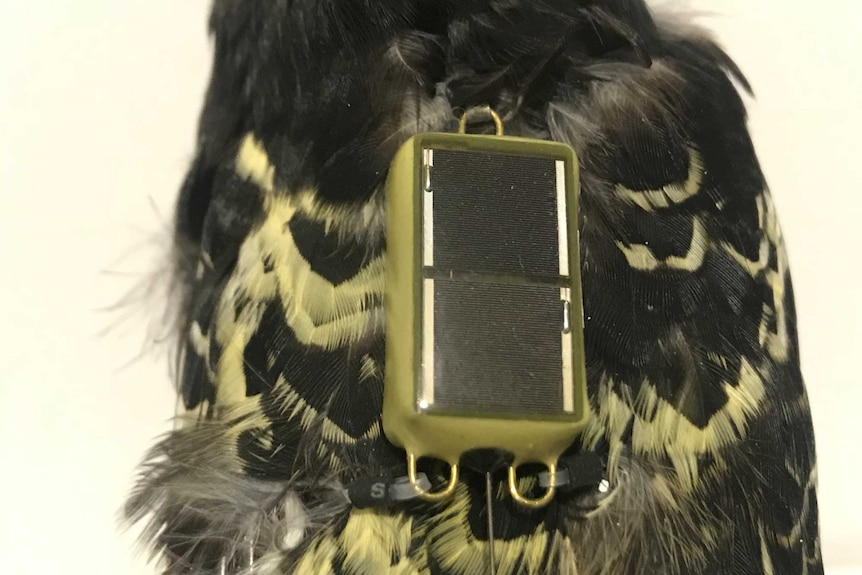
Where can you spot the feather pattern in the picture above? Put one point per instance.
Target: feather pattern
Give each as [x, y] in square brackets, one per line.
[697, 399]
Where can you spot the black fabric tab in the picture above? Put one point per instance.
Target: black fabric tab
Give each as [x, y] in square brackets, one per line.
[370, 492]
[585, 470]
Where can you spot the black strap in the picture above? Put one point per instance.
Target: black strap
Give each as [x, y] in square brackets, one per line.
[574, 472]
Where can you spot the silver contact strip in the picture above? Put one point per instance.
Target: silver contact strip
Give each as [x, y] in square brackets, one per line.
[427, 396]
[568, 376]
[562, 220]
[427, 209]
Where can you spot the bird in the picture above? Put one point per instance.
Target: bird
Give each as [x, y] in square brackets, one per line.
[698, 414]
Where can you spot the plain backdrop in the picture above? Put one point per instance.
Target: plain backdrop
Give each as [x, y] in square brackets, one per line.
[98, 106]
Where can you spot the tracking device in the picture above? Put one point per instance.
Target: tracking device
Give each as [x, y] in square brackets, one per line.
[484, 315]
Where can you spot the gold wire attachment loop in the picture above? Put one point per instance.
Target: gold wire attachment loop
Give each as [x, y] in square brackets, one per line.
[428, 495]
[479, 111]
[533, 503]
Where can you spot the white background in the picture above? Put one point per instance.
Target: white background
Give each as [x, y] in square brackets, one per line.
[98, 105]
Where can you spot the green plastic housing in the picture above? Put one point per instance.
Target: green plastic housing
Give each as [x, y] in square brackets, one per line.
[446, 436]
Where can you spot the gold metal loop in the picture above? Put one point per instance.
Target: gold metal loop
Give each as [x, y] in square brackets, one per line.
[428, 495]
[533, 503]
[481, 111]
